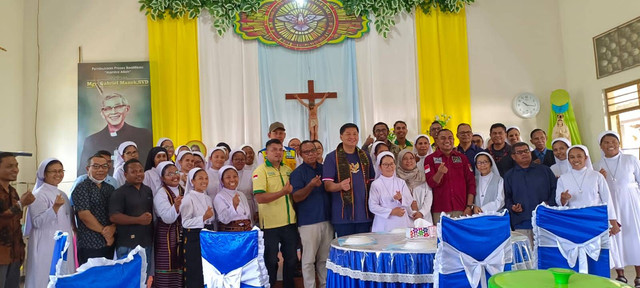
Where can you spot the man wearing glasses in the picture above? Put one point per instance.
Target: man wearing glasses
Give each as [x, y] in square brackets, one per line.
[90, 200]
[526, 185]
[314, 214]
[466, 147]
[114, 111]
[381, 133]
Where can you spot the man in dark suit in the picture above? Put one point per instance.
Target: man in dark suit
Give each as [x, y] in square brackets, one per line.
[114, 110]
[539, 155]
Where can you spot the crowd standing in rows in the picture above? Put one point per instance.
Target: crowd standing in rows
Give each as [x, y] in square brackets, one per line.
[297, 196]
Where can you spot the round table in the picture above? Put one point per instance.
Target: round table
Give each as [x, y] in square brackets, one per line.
[386, 262]
[554, 277]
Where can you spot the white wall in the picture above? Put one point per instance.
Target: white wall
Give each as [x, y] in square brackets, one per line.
[107, 31]
[11, 76]
[581, 20]
[515, 46]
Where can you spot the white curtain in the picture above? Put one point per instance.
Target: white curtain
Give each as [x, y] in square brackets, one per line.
[387, 79]
[229, 83]
[229, 87]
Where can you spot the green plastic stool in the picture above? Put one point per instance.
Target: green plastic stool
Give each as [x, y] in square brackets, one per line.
[551, 278]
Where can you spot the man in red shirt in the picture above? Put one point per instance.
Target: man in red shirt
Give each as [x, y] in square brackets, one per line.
[450, 176]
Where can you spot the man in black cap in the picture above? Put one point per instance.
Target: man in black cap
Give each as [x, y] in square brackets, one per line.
[277, 131]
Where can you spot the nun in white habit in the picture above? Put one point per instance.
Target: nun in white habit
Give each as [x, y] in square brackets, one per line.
[374, 155]
[420, 150]
[167, 144]
[245, 184]
[560, 147]
[121, 158]
[50, 212]
[251, 157]
[390, 199]
[232, 207]
[215, 160]
[622, 173]
[489, 185]
[582, 186]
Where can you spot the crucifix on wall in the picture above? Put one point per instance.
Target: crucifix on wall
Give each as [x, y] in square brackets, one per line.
[311, 95]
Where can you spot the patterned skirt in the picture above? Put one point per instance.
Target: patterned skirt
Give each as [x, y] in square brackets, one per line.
[168, 255]
[192, 258]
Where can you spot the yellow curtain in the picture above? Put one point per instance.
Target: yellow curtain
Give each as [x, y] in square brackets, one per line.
[443, 67]
[175, 88]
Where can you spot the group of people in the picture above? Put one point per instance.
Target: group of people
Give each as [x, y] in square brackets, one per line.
[301, 199]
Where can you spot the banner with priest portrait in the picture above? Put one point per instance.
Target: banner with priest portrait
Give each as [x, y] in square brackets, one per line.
[114, 106]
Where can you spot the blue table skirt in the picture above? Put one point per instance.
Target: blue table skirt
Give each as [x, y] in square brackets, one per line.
[352, 268]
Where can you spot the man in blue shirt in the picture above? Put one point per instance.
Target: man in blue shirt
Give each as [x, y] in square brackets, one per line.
[314, 212]
[347, 172]
[525, 186]
[541, 155]
[466, 147]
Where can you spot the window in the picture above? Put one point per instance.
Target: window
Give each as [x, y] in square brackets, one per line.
[623, 115]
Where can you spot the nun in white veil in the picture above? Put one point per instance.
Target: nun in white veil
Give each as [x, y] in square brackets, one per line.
[245, 184]
[375, 151]
[232, 215]
[251, 157]
[50, 212]
[167, 144]
[560, 147]
[215, 160]
[124, 154]
[489, 185]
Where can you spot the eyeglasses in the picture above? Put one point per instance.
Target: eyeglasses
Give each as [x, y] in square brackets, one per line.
[483, 162]
[118, 108]
[172, 174]
[98, 166]
[380, 131]
[55, 171]
[168, 147]
[387, 165]
[308, 152]
[521, 152]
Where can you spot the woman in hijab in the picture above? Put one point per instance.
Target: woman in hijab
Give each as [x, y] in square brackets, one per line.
[377, 148]
[489, 185]
[245, 183]
[126, 151]
[50, 212]
[232, 207]
[408, 170]
[422, 148]
[152, 176]
[560, 147]
[167, 144]
[168, 246]
[197, 213]
[251, 157]
[215, 160]
[390, 200]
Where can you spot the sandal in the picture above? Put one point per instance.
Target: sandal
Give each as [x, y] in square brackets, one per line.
[623, 279]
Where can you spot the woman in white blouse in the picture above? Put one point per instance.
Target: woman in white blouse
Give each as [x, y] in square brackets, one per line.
[234, 213]
[197, 213]
[489, 185]
[50, 212]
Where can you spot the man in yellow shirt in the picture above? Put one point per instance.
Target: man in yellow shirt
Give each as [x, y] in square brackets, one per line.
[277, 218]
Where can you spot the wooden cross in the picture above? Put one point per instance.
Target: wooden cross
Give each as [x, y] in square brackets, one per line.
[311, 95]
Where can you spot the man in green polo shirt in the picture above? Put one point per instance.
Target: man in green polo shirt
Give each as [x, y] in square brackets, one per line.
[277, 218]
[400, 130]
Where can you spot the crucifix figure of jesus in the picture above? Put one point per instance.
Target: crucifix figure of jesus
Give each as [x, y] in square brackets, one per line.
[311, 95]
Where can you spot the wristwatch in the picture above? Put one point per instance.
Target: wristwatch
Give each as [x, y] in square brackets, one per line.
[470, 206]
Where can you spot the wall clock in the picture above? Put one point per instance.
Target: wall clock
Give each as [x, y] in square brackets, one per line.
[526, 105]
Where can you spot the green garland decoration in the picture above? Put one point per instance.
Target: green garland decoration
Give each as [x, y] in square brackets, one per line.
[223, 11]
